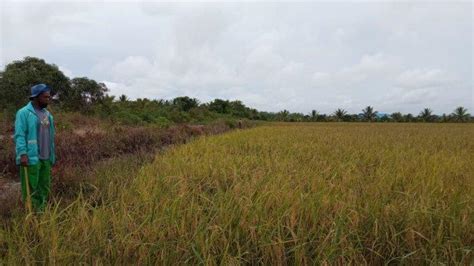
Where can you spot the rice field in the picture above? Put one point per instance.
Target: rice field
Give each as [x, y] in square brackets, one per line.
[283, 193]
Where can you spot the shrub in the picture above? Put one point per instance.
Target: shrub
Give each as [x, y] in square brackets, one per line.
[127, 118]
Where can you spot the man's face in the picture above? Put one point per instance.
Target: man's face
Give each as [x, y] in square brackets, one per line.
[43, 99]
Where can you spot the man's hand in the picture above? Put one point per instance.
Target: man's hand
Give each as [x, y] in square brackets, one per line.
[24, 160]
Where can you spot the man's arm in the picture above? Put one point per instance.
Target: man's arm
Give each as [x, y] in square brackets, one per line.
[20, 138]
[53, 129]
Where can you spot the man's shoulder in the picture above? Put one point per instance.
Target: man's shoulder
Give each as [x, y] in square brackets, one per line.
[23, 110]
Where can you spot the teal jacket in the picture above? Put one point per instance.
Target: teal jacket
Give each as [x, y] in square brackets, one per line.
[26, 135]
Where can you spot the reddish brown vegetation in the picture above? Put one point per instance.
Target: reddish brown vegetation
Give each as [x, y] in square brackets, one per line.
[80, 149]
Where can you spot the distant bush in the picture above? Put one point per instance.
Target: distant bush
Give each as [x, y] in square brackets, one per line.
[126, 118]
[162, 122]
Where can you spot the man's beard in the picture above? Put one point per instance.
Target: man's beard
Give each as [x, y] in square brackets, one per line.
[43, 105]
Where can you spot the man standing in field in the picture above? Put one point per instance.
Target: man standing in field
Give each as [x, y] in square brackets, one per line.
[34, 145]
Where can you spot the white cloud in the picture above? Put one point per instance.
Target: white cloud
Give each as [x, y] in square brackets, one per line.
[434, 88]
[273, 56]
[421, 78]
[132, 67]
[118, 89]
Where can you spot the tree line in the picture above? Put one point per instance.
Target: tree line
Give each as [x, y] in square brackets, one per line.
[368, 114]
[85, 95]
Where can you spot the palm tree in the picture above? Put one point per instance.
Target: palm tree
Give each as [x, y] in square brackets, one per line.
[314, 115]
[339, 114]
[426, 115]
[123, 98]
[460, 114]
[283, 115]
[369, 114]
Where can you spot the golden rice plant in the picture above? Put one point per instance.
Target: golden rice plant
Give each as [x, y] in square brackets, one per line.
[285, 193]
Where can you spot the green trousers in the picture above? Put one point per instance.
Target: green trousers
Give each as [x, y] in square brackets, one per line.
[39, 177]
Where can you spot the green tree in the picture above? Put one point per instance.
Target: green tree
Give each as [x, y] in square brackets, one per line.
[397, 117]
[354, 118]
[295, 117]
[19, 76]
[238, 109]
[408, 118]
[340, 114]
[445, 118]
[460, 114]
[322, 118]
[185, 103]
[283, 115]
[107, 107]
[82, 94]
[369, 114]
[219, 106]
[314, 115]
[384, 118]
[254, 114]
[426, 115]
[123, 98]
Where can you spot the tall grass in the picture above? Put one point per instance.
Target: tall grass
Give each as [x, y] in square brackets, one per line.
[279, 194]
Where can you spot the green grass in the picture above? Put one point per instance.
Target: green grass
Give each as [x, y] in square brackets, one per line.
[276, 194]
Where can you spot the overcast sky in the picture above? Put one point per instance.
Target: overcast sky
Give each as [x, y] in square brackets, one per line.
[395, 56]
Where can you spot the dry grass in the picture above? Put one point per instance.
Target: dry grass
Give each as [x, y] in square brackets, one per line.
[278, 194]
